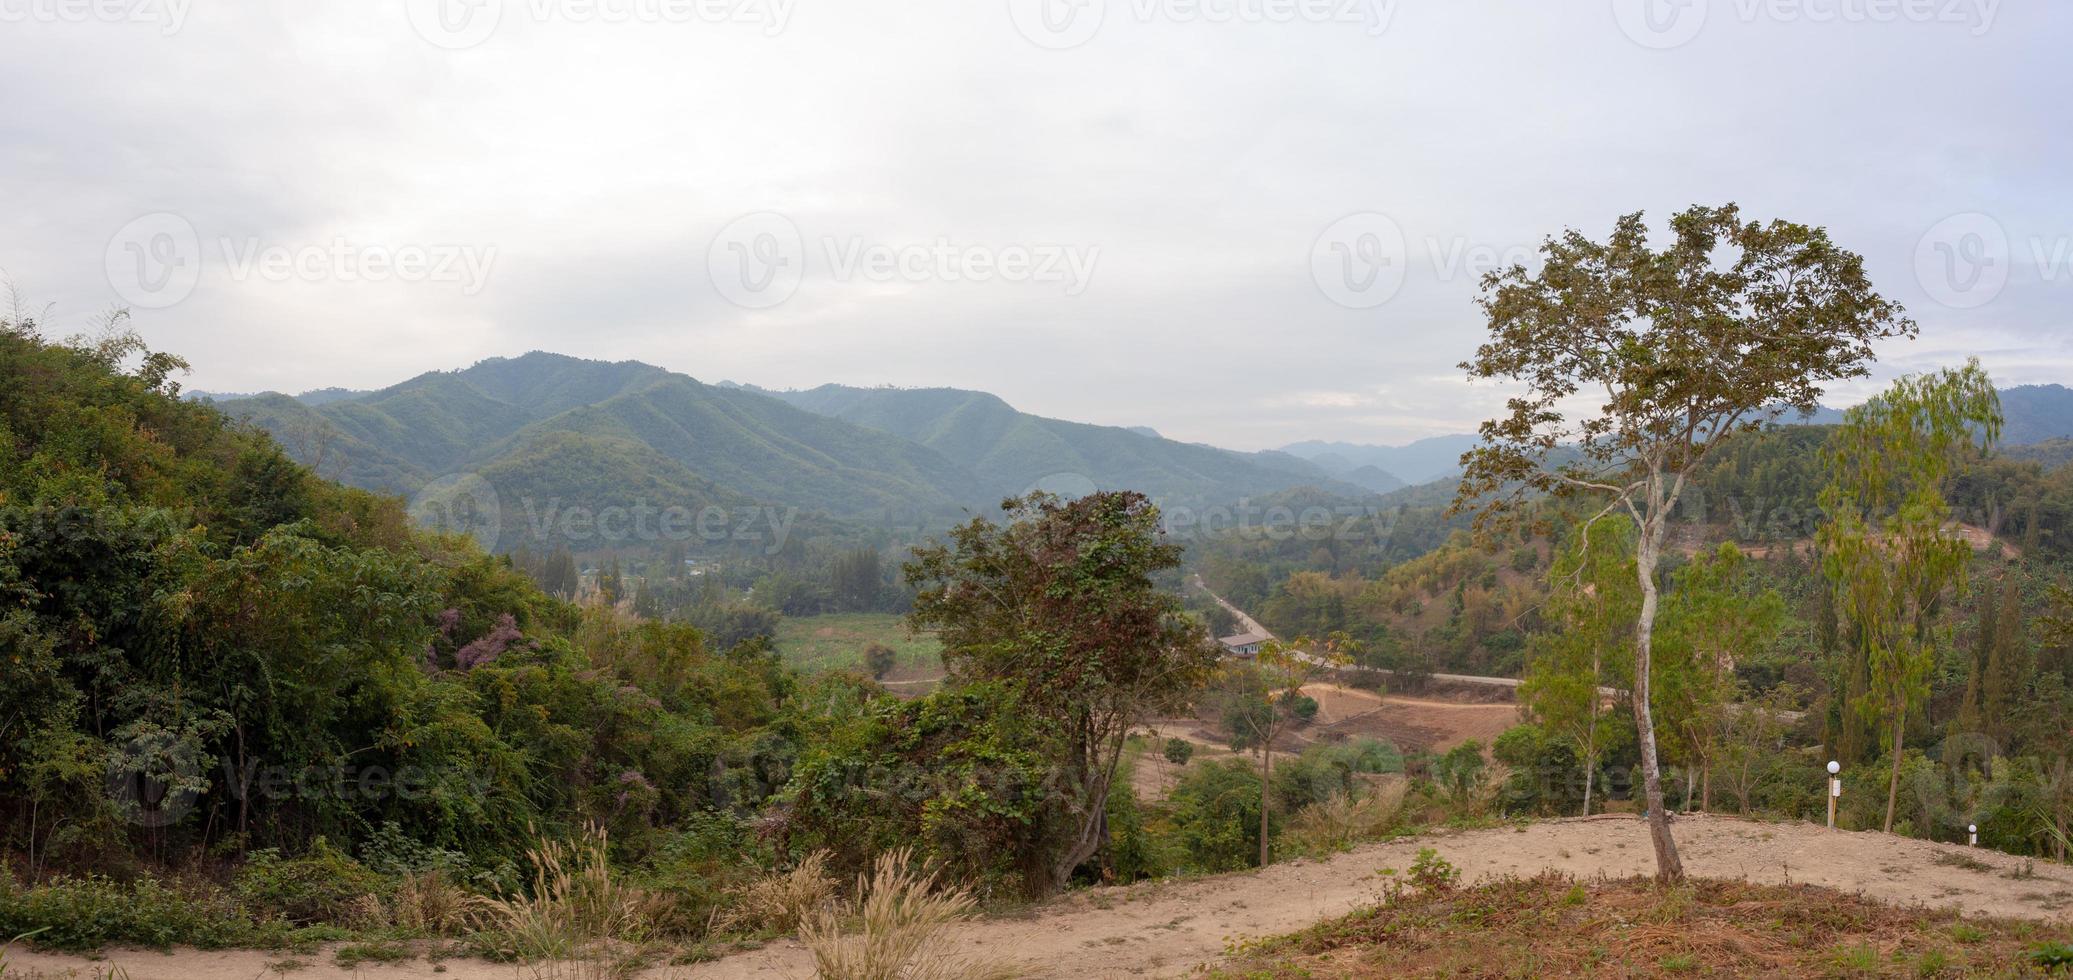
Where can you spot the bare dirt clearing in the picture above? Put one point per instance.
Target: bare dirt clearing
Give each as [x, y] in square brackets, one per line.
[1165, 929]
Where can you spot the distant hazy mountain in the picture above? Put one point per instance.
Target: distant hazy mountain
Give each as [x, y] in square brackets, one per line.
[1420, 462]
[2036, 413]
[1010, 451]
[2030, 414]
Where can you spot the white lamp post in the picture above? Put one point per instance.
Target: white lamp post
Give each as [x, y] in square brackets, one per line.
[1972, 835]
[1835, 790]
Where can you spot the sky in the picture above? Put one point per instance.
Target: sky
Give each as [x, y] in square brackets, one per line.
[1242, 222]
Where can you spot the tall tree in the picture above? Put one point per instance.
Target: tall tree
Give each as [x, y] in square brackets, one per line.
[1265, 695]
[1592, 598]
[1886, 546]
[1670, 352]
[1059, 601]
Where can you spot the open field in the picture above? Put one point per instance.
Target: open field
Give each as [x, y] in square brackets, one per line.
[837, 641]
[1411, 723]
[1170, 928]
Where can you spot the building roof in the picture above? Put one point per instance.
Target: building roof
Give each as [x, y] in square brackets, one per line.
[1243, 639]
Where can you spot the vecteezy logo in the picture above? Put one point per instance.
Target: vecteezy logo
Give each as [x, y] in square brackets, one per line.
[154, 261]
[154, 777]
[454, 24]
[1358, 262]
[462, 503]
[1660, 24]
[1962, 261]
[1058, 24]
[757, 261]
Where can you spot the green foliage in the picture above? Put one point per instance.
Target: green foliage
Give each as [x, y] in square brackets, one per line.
[958, 775]
[86, 913]
[1059, 605]
[320, 886]
[262, 659]
[1461, 772]
[1885, 548]
[1433, 874]
[1213, 816]
[1178, 751]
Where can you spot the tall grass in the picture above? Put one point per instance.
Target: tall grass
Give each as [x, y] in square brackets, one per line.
[576, 919]
[897, 928]
[431, 902]
[780, 900]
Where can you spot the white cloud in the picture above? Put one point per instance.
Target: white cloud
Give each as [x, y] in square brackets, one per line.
[1201, 159]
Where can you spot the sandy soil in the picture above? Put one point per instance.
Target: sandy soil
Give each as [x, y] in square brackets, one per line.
[1165, 929]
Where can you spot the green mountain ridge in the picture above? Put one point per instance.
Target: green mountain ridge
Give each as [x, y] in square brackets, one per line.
[1013, 451]
[549, 432]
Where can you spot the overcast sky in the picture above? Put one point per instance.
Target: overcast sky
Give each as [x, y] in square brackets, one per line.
[1244, 222]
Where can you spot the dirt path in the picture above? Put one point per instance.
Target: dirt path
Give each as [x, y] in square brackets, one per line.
[1164, 929]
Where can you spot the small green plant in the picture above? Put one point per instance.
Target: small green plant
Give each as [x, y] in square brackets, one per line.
[2052, 957]
[351, 955]
[1932, 963]
[1967, 933]
[1860, 958]
[1955, 859]
[1179, 750]
[1678, 963]
[1432, 873]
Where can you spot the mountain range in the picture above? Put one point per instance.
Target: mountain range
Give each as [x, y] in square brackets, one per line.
[549, 430]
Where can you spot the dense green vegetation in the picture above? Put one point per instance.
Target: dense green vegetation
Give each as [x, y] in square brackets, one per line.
[210, 651]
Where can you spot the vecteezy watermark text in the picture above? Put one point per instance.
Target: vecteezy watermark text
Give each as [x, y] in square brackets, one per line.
[168, 15]
[157, 260]
[1663, 24]
[459, 24]
[1062, 24]
[759, 260]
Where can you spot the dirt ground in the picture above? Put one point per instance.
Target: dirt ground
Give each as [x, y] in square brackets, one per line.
[1165, 929]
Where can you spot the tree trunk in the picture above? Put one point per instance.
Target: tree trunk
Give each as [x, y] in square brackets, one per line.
[1893, 785]
[1266, 773]
[1590, 770]
[1706, 788]
[1669, 868]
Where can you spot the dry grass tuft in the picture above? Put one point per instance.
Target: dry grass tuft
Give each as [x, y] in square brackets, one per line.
[1340, 823]
[780, 900]
[430, 902]
[896, 929]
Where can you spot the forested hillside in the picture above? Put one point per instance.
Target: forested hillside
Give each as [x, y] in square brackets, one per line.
[1011, 451]
[210, 649]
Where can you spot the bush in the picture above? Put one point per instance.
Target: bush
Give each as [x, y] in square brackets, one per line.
[1213, 817]
[879, 659]
[324, 886]
[81, 914]
[1179, 750]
